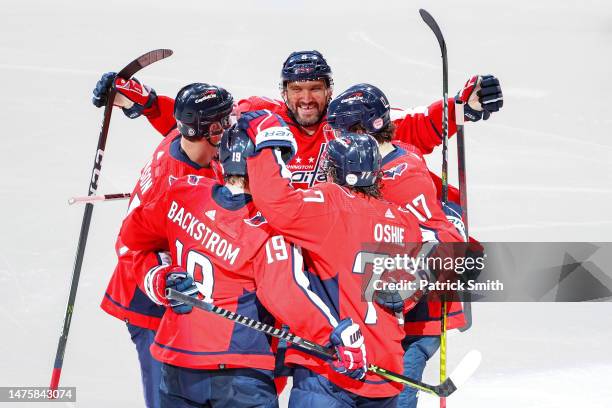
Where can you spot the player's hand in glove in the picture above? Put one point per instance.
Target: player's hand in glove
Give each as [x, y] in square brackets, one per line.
[350, 349]
[390, 300]
[268, 130]
[481, 96]
[454, 214]
[163, 277]
[132, 97]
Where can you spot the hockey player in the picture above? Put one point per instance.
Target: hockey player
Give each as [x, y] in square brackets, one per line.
[223, 249]
[332, 223]
[364, 108]
[188, 150]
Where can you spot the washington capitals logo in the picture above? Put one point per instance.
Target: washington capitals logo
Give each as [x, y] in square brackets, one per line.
[207, 95]
[256, 221]
[394, 172]
[357, 96]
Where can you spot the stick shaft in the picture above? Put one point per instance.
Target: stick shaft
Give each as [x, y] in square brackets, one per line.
[94, 198]
[445, 388]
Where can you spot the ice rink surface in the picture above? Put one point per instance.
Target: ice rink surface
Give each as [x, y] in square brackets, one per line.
[537, 171]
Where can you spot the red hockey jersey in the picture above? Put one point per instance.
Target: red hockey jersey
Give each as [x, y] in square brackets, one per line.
[237, 262]
[333, 227]
[123, 299]
[407, 183]
[419, 127]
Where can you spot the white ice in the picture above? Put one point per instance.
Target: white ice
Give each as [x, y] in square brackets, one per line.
[539, 170]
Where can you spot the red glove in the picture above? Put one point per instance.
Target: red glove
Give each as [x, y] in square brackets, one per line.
[133, 97]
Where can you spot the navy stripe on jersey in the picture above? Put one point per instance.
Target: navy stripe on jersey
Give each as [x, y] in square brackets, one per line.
[224, 197]
[323, 294]
[420, 313]
[140, 303]
[211, 353]
[396, 153]
[244, 338]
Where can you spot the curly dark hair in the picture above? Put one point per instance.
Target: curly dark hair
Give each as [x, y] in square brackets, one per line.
[384, 135]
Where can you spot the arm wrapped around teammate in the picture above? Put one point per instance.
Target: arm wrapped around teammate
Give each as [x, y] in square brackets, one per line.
[163, 277]
[350, 349]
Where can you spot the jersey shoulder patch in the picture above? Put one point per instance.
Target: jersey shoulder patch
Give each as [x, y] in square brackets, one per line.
[255, 221]
[395, 171]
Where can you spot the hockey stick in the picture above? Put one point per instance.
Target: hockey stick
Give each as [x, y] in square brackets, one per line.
[431, 23]
[459, 119]
[463, 371]
[126, 73]
[94, 198]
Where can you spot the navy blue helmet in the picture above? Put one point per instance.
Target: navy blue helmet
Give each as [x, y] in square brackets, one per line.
[305, 66]
[361, 104]
[355, 159]
[235, 147]
[197, 106]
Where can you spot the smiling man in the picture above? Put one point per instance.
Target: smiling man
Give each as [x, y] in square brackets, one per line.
[306, 87]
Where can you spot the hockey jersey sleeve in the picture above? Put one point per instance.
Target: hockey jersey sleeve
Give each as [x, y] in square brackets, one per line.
[280, 276]
[300, 215]
[422, 127]
[254, 103]
[161, 116]
[144, 229]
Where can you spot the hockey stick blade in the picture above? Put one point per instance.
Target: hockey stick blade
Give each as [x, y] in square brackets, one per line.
[466, 368]
[442, 390]
[143, 61]
[429, 20]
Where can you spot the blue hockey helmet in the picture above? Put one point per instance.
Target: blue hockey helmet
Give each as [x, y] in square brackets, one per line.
[355, 159]
[197, 106]
[305, 66]
[235, 147]
[361, 104]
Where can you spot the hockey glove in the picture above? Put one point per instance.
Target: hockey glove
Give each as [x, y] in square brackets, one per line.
[350, 350]
[481, 95]
[268, 130]
[132, 97]
[390, 300]
[163, 277]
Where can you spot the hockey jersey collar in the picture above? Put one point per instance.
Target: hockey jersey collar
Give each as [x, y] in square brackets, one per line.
[224, 198]
[177, 152]
[396, 153]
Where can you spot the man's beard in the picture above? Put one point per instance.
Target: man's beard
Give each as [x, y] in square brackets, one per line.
[310, 121]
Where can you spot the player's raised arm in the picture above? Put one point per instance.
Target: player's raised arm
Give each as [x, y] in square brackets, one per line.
[422, 127]
[297, 213]
[136, 99]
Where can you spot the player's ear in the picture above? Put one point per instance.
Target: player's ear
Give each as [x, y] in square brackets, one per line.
[328, 93]
[284, 94]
